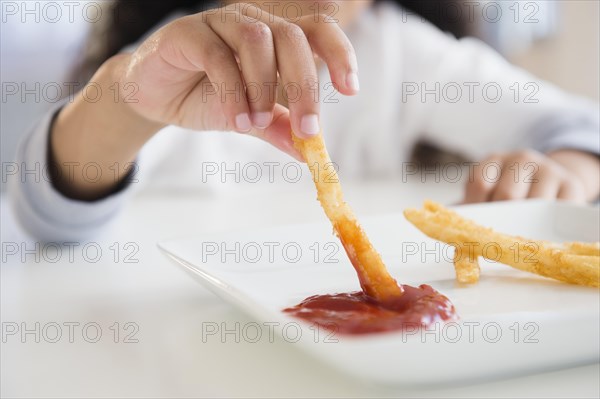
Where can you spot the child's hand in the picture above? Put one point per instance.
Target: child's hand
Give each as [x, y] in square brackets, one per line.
[218, 70]
[566, 174]
[215, 70]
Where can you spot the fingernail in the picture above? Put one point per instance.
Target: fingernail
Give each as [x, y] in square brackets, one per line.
[262, 120]
[309, 124]
[352, 81]
[242, 122]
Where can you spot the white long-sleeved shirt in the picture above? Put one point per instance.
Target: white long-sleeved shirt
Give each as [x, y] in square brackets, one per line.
[417, 83]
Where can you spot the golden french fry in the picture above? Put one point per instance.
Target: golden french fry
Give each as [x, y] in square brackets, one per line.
[583, 248]
[575, 263]
[372, 273]
[466, 266]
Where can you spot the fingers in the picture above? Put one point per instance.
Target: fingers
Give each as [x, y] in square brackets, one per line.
[267, 45]
[252, 41]
[330, 43]
[299, 77]
[480, 185]
[546, 183]
[514, 182]
[199, 48]
[524, 174]
[571, 191]
[242, 51]
[294, 45]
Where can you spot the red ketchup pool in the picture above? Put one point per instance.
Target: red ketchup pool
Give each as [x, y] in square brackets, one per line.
[357, 313]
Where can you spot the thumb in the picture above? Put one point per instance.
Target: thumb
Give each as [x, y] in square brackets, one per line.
[279, 133]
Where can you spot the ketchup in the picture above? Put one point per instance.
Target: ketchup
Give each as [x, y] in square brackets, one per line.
[358, 313]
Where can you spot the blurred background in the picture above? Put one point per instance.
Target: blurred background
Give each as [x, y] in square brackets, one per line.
[41, 42]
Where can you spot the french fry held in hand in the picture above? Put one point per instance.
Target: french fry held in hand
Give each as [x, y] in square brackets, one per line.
[575, 263]
[372, 273]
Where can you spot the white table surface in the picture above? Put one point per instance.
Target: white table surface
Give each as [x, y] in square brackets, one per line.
[170, 359]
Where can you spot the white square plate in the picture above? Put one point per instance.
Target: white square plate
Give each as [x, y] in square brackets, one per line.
[511, 322]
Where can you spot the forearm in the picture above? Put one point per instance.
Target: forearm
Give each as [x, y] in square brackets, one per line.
[583, 165]
[107, 133]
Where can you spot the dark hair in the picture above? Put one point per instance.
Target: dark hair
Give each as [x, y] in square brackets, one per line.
[129, 20]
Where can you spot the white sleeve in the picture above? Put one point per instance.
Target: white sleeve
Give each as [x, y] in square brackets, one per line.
[468, 99]
[42, 211]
